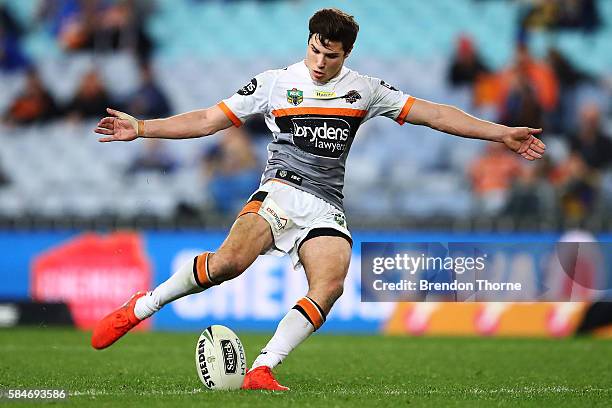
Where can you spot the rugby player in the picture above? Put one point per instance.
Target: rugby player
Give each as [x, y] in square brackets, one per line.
[313, 109]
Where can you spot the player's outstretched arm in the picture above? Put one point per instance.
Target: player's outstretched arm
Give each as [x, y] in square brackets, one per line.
[454, 121]
[120, 126]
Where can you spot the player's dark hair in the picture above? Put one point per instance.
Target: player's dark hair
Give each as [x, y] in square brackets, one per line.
[331, 24]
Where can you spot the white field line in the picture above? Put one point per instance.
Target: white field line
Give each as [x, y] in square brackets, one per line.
[95, 393]
[361, 391]
[472, 391]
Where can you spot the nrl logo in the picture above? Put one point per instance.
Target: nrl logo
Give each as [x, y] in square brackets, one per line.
[352, 96]
[295, 96]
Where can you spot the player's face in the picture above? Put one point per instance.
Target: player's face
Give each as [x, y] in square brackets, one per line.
[324, 61]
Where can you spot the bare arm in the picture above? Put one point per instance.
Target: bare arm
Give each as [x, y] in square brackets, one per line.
[123, 127]
[454, 121]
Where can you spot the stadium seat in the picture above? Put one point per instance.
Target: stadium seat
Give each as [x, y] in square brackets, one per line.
[220, 60]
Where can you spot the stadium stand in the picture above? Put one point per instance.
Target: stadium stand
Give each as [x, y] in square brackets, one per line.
[205, 50]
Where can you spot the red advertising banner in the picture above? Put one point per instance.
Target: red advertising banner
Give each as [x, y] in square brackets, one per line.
[93, 274]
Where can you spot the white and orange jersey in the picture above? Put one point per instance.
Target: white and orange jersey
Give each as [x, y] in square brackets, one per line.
[313, 125]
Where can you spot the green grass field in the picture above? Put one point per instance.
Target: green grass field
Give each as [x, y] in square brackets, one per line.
[158, 369]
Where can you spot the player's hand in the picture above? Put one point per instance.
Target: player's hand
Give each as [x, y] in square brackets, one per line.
[522, 141]
[118, 127]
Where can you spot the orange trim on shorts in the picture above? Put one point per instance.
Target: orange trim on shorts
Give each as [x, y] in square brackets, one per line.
[401, 118]
[201, 265]
[358, 113]
[312, 311]
[251, 207]
[230, 115]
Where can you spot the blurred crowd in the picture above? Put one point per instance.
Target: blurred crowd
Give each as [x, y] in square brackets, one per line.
[540, 93]
[529, 91]
[230, 167]
[560, 15]
[80, 26]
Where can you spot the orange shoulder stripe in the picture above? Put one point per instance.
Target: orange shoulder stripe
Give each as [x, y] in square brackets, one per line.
[401, 118]
[230, 115]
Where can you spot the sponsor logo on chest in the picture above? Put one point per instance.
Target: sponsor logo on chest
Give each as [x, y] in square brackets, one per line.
[318, 94]
[322, 136]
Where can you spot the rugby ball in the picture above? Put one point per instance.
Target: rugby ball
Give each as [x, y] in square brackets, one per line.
[220, 359]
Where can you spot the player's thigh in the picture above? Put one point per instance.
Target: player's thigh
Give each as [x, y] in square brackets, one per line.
[326, 261]
[249, 236]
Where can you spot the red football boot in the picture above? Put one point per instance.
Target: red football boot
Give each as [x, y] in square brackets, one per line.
[261, 378]
[116, 324]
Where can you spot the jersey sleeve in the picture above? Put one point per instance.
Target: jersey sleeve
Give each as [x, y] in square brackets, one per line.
[249, 100]
[388, 101]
